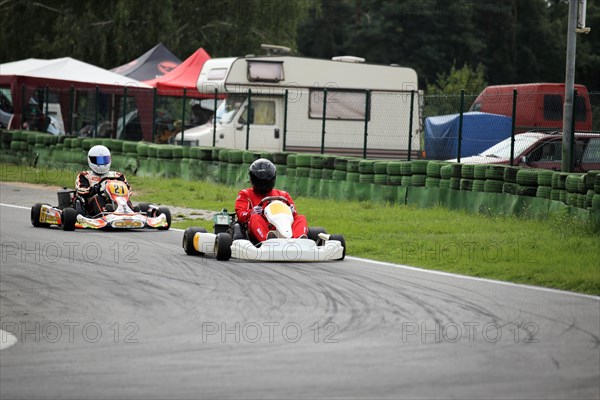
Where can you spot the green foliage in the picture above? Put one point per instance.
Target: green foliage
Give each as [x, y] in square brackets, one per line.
[467, 78]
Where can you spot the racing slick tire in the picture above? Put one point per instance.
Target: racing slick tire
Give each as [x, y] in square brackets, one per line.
[188, 240]
[313, 233]
[167, 212]
[223, 246]
[144, 207]
[69, 217]
[342, 241]
[35, 216]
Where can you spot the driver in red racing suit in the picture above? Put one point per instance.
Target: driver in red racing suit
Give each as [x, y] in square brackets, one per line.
[87, 183]
[247, 205]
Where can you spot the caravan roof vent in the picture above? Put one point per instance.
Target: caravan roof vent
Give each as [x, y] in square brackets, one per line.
[272, 49]
[350, 59]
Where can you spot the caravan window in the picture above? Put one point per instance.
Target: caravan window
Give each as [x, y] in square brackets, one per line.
[341, 104]
[229, 108]
[264, 113]
[217, 74]
[265, 71]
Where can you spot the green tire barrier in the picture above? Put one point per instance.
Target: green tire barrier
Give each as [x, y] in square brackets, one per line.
[545, 178]
[446, 172]
[280, 158]
[394, 168]
[418, 180]
[406, 180]
[455, 183]
[479, 171]
[527, 177]
[327, 173]
[466, 184]
[589, 197]
[444, 184]
[291, 161]
[434, 169]
[340, 163]
[432, 182]
[406, 168]
[235, 156]
[478, 184]
[467, 172]
[379, 167]
[493, 186]
[351, 164]
[510, 174]
[248, 156]
[380, 179]
[366, 166]
[352, 176]
[316, 162]
[559, 180]
[523, 190]
[393, 180]
[366, 178]
[419, 167]
[596, 202]
[267, 155]
[543, 192]
[575, 183]
[597, 183]
[303, 160]
[495, 172]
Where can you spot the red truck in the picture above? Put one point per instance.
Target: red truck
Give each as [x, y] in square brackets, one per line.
[539, 105]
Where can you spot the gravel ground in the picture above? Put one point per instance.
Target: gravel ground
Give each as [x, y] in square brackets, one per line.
[27, 194]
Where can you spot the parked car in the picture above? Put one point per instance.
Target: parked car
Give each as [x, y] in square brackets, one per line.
[542, 150]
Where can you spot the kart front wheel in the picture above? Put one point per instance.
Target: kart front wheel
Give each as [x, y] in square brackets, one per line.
[342, 241]
[69, 218]
[167, 212]
[35, 216]
[144, 207]
[313, 233]
[223, 246]
[188, 240]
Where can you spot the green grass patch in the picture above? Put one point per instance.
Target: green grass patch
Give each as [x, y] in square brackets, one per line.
[557, 252]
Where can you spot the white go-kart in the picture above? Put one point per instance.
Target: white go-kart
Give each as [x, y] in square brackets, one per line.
[230, 239]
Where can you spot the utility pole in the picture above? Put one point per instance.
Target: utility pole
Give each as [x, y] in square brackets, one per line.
[576, 24]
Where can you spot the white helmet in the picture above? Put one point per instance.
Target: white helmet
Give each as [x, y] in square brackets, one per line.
[99, 159]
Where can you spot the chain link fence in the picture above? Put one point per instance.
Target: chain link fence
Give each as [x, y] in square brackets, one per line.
[370, 124]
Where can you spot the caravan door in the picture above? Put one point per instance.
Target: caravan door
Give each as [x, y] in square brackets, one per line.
[266, 128]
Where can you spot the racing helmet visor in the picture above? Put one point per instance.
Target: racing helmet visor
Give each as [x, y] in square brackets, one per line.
[100, 160]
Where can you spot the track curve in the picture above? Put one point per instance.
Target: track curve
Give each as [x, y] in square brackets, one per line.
[128, 314]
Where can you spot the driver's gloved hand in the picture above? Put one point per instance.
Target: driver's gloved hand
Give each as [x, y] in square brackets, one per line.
[96, 188]
[257, 210]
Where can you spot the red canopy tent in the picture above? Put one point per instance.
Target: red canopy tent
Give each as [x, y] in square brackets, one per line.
[184, 76]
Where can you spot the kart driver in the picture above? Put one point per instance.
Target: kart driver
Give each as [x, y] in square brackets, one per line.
[87, 183]
[247, 205]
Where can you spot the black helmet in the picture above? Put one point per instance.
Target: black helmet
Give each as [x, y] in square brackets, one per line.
[262, 175]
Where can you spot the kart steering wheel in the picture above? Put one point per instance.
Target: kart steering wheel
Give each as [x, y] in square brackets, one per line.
[269, 199]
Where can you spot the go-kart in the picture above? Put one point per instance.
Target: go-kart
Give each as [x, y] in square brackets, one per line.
[231, 239]
[117, 213]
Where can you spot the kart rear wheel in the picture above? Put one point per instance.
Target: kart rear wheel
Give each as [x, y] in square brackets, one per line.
[35, 215]
[223, 246]
[342, 241]
[144, 207]
[69, 218]
[167, 212]
[188, 240]
[313, 233]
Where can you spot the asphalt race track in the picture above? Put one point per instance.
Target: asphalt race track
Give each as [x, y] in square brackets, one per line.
[130, 315]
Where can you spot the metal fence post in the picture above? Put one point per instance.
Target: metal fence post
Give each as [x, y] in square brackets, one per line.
[23, 104]
[572, 139]
[124, 111]
[183, 114]
[324, 118]
[71, 110]
[154, 106]
[46, 104]
[97, 96]
[460, 123]
[512, 129]
[410, 123]
[248, 113]
[367, 109]
[285, 116]
[215, 118]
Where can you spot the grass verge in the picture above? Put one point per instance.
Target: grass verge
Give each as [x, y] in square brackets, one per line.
[557, 252]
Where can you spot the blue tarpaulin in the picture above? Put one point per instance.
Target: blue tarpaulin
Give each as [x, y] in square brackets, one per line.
[480, 131]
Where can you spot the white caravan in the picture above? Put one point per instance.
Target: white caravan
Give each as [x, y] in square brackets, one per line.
[263, 82]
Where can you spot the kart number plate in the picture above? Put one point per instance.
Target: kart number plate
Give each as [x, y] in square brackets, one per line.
[127, 224]
[222, 219]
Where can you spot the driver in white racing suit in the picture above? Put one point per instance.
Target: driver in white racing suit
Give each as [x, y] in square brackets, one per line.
[89, 201]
